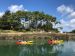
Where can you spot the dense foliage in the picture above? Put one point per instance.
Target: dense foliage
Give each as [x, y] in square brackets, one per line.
[34, 20]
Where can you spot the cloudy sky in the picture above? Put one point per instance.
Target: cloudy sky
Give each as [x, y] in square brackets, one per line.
[63, 10]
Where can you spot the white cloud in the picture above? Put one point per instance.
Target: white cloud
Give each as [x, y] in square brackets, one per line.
[70, 17]
[67, 25]
[1, 14]
[15, 8]
[64, 9]
[61, 8]
[72, 23]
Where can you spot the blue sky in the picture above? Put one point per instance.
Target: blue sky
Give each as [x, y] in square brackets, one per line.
[61, 9]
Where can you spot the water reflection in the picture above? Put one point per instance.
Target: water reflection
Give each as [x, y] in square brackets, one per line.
[39, 50]
[66, 49]
[9, 50]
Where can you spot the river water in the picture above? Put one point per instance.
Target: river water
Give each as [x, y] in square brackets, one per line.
[40, 49]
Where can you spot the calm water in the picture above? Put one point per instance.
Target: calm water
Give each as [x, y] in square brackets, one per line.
[40, 49]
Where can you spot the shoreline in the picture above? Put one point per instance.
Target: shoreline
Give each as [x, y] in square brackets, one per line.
[34, 35]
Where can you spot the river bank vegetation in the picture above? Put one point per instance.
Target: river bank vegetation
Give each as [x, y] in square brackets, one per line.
[27, 21]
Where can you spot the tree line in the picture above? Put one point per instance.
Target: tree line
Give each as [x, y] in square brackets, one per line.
[37, 21]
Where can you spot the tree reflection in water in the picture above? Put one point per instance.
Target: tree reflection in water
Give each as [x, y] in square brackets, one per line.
[40, 50]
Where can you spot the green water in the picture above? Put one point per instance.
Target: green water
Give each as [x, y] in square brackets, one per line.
[39, 49]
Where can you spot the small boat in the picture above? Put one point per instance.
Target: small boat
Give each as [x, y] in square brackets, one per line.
[55, 41]
[24, 42]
